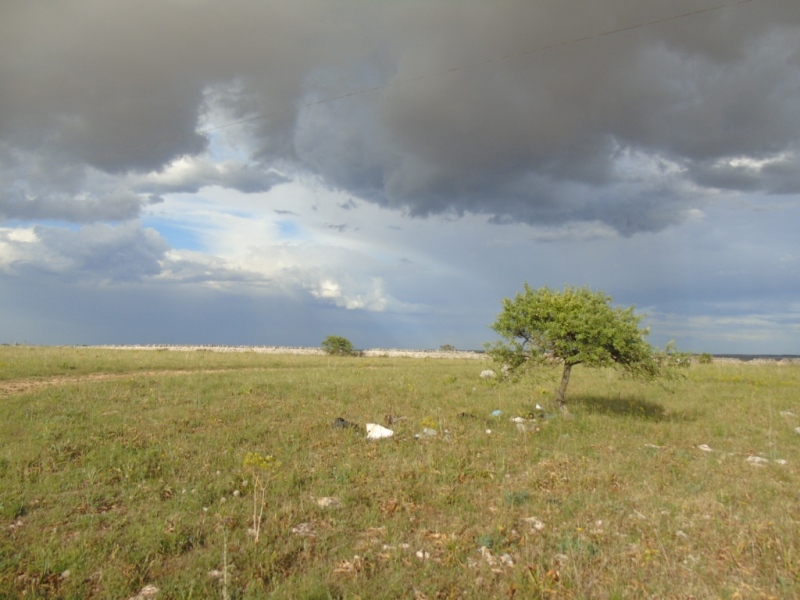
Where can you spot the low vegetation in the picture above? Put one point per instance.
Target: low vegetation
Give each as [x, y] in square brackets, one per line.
[337, 345]
[211, 475]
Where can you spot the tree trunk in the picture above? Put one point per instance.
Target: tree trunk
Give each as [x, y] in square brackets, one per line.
[561, 394]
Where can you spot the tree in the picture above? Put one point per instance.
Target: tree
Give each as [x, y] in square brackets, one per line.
[338, 346]
[577, 326]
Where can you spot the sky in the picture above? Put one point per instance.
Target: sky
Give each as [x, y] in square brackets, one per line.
[273, 172]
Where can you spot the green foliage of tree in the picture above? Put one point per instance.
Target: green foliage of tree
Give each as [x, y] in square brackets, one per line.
[337, 346]
[447, 348]
[573, 327]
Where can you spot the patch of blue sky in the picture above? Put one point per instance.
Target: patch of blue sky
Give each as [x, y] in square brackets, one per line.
[178, 236]
[289, 230]
[220, 148]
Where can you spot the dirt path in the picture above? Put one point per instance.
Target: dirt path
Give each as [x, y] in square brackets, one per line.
[21, 386]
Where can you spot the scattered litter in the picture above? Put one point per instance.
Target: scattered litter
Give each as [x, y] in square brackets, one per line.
[497, 413]
[427, 432]
[561, 559]
[377, 432]
[705, 448]
[637, 515]
[488, 374]
[340, 423]
[797, 429]
[786, 413]
[304, 530]
[216, 574]
[654, 447]
[347, 566]
[148, 592]
[525, 424]
[15, 525]
[760, 461]
[534, 523]
[504, 560]
[329, 502]
[423, 555]
[65, 574]
[539, 407]
[488, 431]
[496, 563]
[681, 534]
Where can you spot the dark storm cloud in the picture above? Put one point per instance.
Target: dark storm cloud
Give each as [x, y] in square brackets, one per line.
[483, 108]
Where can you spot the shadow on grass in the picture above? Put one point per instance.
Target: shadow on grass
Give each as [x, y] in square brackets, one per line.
[630, 406]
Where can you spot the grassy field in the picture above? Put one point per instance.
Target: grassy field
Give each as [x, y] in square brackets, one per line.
[129, 474]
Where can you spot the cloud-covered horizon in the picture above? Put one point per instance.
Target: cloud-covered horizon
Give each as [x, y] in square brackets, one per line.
[402, 159]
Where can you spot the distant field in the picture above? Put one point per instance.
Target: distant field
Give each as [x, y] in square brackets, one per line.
[128, 472]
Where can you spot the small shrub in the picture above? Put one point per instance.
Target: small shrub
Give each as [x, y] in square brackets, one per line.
[705, 358]
[337, 346]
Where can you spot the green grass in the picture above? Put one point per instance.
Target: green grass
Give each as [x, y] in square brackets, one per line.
[120, 469]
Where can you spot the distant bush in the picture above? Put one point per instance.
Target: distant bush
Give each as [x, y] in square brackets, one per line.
[705, 358]
[336, 345]
[447, 348]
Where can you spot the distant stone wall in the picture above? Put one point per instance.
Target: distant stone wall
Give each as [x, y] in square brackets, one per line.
[424, 353]
[388, 352]
[756, 361]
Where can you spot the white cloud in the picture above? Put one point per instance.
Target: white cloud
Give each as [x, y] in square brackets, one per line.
[350, 297]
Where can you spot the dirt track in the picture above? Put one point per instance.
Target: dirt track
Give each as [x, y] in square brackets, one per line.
[20, 386]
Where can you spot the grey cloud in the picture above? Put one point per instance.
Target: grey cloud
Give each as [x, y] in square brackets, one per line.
[514, 138]
[95, 252]
[202, 269]
[349, 205]
[483, 108]
[190, 175]
[114, 207]
[772, 174]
